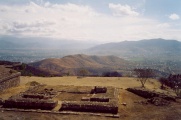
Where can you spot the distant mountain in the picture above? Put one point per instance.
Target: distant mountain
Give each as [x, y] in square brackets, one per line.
[32, 49]
[151, 49]
[73, 63]
[8, 42]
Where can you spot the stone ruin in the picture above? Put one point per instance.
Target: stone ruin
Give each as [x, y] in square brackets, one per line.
[9, 80]
[89, 106]
[39, 98]
[30, 100]
[99, 89]
[156, 98]
[95, 103]
[30, 103]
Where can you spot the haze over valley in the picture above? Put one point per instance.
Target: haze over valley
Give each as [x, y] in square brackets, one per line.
[159, 54]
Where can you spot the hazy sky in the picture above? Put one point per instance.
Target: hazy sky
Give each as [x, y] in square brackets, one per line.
[99, 20]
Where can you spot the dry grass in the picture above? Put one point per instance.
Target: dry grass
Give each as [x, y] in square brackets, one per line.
[12, 91]
[122, 82]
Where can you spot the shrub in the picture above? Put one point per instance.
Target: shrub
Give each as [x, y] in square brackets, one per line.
[112, 74]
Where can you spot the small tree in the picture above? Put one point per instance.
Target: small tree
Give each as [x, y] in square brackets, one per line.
[83, 72]
[162, 81]
[175, 83]
[143, 75]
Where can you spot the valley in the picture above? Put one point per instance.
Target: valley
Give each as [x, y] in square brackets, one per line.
[158, 54]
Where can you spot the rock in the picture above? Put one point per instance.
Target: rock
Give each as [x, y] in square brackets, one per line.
[123, 104]
[159, 101]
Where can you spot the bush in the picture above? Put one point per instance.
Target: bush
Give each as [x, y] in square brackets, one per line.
[112, 74]
[174, 82]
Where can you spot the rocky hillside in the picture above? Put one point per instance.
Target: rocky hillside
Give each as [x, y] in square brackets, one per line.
[73, 63]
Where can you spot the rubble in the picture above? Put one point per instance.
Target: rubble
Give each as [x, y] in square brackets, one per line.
[156, 98]
[159, 101]
[150, 94]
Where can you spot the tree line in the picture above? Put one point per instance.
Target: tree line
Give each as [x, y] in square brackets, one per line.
[172, 81]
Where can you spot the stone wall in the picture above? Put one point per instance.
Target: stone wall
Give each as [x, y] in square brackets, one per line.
[99, 102]
[99, 89]
[150, 94]
[87, 106]
[28, 103]
[10, 81]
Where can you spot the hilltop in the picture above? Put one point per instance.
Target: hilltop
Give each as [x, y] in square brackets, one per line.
[72, 63]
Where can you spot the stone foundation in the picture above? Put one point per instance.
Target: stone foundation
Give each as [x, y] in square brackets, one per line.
[27, 103]
[150, 94]
[85, 106]
[10, 81]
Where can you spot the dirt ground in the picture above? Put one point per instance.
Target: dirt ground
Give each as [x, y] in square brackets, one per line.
[132, 110]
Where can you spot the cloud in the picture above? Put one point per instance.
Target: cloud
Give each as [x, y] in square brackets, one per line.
[40, 23]
[174, 16]
[81, 22]
[121, 10]
[163, 25]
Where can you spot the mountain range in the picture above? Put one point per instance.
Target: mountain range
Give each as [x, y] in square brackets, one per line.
[8, 42]
[147, 49]
[57, 57]
[35, 49]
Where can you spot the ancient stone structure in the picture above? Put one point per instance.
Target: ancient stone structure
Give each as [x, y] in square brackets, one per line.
[95, 99]
[156, 98]
[98, 102]
[99, 99]
[99, 89]
[87, 106]
[150, 94]
[29, 103]
[158, 101]
[38, 96]
[10, 80]
[42, 97]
